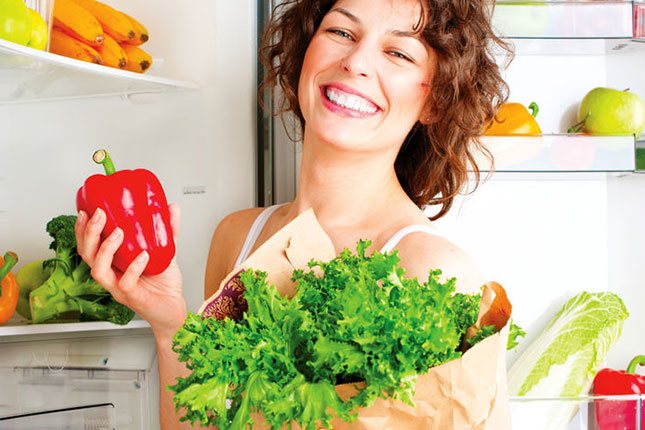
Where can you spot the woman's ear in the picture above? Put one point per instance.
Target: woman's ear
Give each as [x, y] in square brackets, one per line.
[428, 116]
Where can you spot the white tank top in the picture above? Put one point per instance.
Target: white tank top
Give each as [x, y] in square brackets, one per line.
[261, 220]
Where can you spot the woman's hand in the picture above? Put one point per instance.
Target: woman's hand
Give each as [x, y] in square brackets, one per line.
[158, 298]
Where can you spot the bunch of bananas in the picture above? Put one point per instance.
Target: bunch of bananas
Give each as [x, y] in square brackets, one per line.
[92, 31]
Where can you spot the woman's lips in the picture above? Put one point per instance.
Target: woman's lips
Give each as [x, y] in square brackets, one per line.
[346, 102]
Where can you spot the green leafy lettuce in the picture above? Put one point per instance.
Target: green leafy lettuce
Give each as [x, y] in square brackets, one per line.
[354, 318]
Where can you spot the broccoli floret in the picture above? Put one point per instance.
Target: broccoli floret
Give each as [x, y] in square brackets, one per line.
[70, 288]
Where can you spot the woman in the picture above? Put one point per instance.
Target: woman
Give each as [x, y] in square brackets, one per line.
[390, 95]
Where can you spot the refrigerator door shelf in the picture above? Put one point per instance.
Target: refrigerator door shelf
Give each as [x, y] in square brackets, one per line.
[568, 19]
[560, 153]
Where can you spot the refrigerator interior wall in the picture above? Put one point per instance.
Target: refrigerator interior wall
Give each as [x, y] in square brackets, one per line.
[200, 144]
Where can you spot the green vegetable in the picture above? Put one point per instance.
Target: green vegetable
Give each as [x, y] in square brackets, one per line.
[69, 289]
[563, 359]
[354, 318]
[30, 276]
[515, 332]
[481, 334]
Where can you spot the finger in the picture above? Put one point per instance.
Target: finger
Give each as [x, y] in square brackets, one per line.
[130, 279]
[79, 228]
[102, 270]
[92, 236]
[175, 219]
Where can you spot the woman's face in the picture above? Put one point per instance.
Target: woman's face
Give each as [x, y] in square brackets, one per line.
[365, 75]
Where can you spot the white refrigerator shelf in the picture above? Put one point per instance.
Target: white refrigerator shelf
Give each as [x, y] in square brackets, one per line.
[18, 331]
[28, 75]
[560, 153]
[605, 19]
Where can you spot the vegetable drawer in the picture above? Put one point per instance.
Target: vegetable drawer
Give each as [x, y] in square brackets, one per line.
[579, 413]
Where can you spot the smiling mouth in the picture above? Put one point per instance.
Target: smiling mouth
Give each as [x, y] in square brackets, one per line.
[349, 101]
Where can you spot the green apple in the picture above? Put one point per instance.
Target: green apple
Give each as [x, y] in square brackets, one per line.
[38, 39]
[611, 112]
[15, 22]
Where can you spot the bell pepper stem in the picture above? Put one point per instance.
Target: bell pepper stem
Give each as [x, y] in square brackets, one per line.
[10, 260]
[534, 109]
[639, 360]
[102, 157]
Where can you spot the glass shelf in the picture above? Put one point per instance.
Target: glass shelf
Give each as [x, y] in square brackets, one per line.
[560, 153]
[606, 19]
[28, 75]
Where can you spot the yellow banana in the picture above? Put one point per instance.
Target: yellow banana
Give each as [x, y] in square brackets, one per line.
[141, 34]
[138, 60]
[113, 21]
[77, 22]
[112, 53]
[63, 44]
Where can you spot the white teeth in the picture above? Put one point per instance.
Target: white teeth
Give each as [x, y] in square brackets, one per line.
[349, 101]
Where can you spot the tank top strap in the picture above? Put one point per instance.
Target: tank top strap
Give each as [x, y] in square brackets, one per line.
[254, 233]
[414, 228]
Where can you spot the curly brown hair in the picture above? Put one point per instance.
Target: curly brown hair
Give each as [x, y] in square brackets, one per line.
[467, 89]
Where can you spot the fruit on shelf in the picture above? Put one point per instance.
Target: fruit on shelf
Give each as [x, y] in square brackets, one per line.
[138, 60]
[39, 32]
[9, 288]
[106, 35]
[113, 21]
[141, 34]
[77, 22]
[63, 44]
[15, 22]
[515, 119]
[607, 111]
[112, 53]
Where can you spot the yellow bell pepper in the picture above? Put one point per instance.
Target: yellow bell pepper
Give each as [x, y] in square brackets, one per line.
[515, 119]
[8, 286]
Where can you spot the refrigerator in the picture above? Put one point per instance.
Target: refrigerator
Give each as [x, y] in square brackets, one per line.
[559, 215]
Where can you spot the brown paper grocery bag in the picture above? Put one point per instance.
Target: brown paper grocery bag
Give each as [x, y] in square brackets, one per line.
[466, 393]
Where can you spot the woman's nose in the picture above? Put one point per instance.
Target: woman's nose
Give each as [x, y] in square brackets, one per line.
[359, 61]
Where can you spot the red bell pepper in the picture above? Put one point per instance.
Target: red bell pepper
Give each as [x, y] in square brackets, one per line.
[134, 201]
[620, 414]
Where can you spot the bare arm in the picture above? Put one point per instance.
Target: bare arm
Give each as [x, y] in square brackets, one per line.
[226, 244]
[170, 368]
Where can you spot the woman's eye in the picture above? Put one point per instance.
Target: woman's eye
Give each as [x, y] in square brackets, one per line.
[401, 55]
[340, 33]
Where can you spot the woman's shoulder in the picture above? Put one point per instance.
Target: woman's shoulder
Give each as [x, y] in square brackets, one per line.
[423, 251]
[233, 228]
[226, 244]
